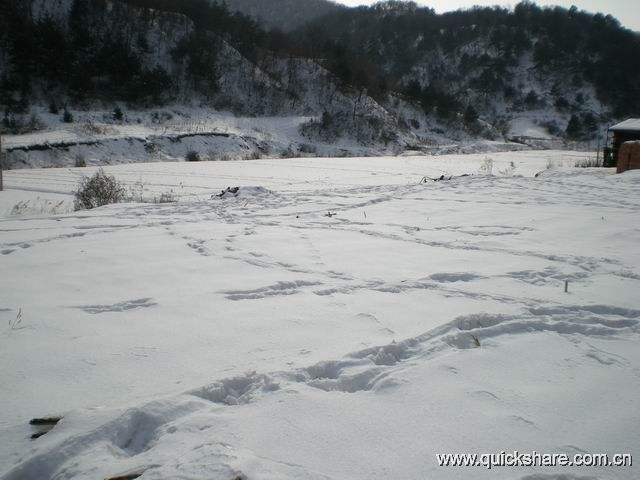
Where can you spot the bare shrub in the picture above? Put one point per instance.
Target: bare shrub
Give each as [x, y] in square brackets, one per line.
[487, 166]
[288, 153]
[98, 190]
[80, 160]
[306, 148]
[214, 156]
[509, 171]
[135, 192]
[34, 123]
[166, 197]
[19, 124]
[39, 207]
[67, 116]
[151, 148]
[16, 324]
[590, 163]
[91, 128]
[252, 155]
[192, 156]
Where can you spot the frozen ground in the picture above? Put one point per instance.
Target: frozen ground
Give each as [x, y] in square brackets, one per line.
[257, 337]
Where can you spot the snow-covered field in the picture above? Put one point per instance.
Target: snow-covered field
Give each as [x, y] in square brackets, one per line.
[259, 337]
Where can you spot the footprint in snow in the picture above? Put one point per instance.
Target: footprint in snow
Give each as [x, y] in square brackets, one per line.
[118, 307]
[454, 277]
[603, 359]
[485, 394]
[520, 419]
[278, 289]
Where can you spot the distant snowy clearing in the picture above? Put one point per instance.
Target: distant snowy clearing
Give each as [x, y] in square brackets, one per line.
[334, 319]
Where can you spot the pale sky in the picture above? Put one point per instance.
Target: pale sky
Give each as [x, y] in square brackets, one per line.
[627, 11]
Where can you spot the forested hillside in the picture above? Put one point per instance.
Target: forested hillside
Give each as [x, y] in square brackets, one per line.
[285, 15]
[133, 50]
[477, 71]
[480, 48]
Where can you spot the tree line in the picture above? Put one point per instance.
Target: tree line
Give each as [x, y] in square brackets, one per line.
[103, 51]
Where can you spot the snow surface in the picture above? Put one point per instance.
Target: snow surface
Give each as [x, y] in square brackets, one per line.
[527, 127]
[256, 336]
[629, 124]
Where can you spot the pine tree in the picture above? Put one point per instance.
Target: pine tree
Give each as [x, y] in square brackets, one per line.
[574, 128]
[67, 116]
[470, 115]
[118, 116]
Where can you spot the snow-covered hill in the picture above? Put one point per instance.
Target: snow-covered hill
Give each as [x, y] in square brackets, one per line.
[259, 337]
[337, 88]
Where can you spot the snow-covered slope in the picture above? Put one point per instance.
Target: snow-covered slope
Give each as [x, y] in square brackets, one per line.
[259, 337]
[168, 134]
[525, 105]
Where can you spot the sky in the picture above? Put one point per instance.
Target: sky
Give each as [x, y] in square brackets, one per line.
[627, 11]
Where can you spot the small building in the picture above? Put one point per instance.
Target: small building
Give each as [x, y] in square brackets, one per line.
[626, 131]
[629, 156]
